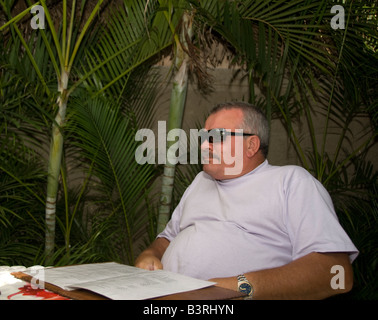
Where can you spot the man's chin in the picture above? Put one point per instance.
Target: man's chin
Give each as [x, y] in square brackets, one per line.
[219, 172]
[207, 167]
[212, 170]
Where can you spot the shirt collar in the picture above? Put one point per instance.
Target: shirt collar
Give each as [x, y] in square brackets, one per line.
[253, 171]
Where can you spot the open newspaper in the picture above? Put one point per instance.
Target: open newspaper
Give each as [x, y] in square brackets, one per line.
[118, 281]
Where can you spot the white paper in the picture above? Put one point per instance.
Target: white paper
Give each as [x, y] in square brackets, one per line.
[120, 282]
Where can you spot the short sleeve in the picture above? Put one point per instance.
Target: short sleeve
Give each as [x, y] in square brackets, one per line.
[173, 226]
[311, 220]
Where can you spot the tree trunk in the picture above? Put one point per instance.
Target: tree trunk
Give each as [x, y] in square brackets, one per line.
[177, 104]
[55, 159]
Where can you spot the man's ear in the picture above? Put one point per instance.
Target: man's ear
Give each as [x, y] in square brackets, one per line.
[253, 145]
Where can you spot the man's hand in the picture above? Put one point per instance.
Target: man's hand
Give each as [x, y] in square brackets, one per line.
[150, 259]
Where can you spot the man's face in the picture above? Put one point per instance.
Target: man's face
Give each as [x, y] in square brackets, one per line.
[224, 160]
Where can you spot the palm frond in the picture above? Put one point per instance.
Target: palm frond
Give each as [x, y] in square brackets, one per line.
[135, 34]
[107, 137]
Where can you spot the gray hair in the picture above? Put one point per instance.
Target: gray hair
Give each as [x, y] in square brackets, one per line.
[254, 121]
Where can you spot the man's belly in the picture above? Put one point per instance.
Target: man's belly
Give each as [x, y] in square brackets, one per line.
[214, 249]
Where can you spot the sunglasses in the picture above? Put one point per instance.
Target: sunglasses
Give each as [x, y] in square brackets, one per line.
[219, 135]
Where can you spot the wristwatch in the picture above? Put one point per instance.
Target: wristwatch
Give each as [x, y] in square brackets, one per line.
[245, 286]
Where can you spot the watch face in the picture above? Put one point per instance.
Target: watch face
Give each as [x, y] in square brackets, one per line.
[245, 288]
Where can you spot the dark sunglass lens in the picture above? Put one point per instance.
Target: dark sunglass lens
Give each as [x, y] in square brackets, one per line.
[203, 136]
[216, 135]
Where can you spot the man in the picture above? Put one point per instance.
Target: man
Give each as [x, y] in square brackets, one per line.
[265, 230]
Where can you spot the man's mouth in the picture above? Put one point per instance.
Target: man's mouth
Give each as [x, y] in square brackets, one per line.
[210, 158]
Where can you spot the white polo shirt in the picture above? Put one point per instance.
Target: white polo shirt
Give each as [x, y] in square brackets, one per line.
[263, 219]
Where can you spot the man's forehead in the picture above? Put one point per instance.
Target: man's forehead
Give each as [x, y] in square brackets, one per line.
[225, 118]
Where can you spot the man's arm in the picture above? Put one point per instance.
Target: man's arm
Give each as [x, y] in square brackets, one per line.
[308, 277]
[150, 259]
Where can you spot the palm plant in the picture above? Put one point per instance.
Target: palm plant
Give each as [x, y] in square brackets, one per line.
[21, 173]
[19, 176]
[76, 59]
[105, 138]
